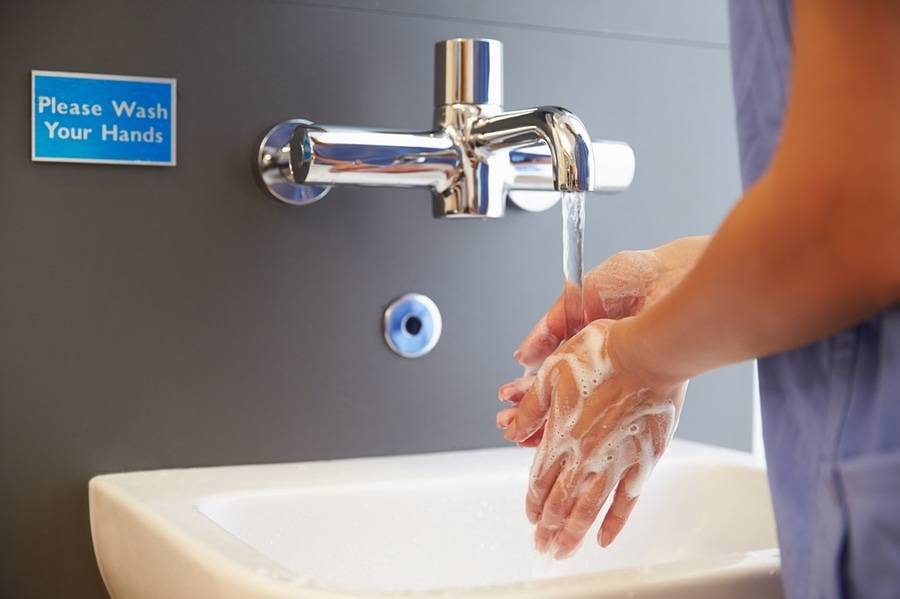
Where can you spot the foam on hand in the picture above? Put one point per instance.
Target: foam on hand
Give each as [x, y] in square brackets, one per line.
[623, 284]
[598, 436]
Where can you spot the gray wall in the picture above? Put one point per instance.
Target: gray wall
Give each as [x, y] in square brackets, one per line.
[154, 317]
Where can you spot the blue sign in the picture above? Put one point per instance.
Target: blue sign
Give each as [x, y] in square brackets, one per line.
[110, 119]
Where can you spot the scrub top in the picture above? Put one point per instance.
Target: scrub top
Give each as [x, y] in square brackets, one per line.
[831, 410]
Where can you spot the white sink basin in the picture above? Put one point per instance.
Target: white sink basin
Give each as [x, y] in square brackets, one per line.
[439, 524]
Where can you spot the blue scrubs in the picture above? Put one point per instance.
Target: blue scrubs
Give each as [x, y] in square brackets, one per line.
[831, 410]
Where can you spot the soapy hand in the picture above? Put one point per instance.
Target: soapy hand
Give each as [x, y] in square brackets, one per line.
[622, 286]
[604, 424]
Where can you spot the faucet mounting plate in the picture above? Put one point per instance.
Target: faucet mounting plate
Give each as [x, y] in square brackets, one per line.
[274, 167]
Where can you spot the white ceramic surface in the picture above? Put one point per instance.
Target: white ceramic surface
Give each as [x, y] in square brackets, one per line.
[437, 524]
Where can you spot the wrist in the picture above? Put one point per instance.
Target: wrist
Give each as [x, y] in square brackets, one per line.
[630, 351]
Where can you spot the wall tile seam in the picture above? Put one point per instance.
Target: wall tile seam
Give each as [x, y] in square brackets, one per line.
[599, 33]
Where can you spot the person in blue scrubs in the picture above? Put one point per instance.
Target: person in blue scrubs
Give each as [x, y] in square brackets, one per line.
[804, 273]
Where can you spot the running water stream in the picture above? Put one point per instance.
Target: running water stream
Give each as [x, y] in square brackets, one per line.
[573, 259]
[543, 566]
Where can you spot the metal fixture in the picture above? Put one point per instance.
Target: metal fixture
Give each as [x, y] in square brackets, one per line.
[412, 325]
[475, 156]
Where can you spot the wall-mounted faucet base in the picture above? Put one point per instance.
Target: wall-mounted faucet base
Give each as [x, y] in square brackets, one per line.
[274, 166]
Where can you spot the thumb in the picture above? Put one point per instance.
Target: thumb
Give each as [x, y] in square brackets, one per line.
[544, 338]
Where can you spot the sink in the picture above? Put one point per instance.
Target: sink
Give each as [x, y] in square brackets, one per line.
[442, 524]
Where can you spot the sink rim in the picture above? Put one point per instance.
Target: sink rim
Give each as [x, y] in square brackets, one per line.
[170, 512]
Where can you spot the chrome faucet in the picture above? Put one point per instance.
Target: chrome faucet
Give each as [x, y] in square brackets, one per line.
[475, 156]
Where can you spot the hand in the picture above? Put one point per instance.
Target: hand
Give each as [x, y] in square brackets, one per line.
[606, 425]
[622, 286]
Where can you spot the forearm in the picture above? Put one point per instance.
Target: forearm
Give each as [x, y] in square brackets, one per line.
[814, 246]
[777, 275]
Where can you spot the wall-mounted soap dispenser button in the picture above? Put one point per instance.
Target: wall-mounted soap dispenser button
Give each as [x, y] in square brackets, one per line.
[412, 325]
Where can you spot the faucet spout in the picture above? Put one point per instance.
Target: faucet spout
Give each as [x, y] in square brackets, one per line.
[563, 132]
[329, 155]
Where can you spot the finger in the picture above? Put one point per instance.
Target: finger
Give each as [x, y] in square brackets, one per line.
[534, 440]
[623, 503]
[543, 538]
[530, 414]
[504, 417]
[543, 475]
[557, 505]
[545, 337]
[514, 390]
[595, 491]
